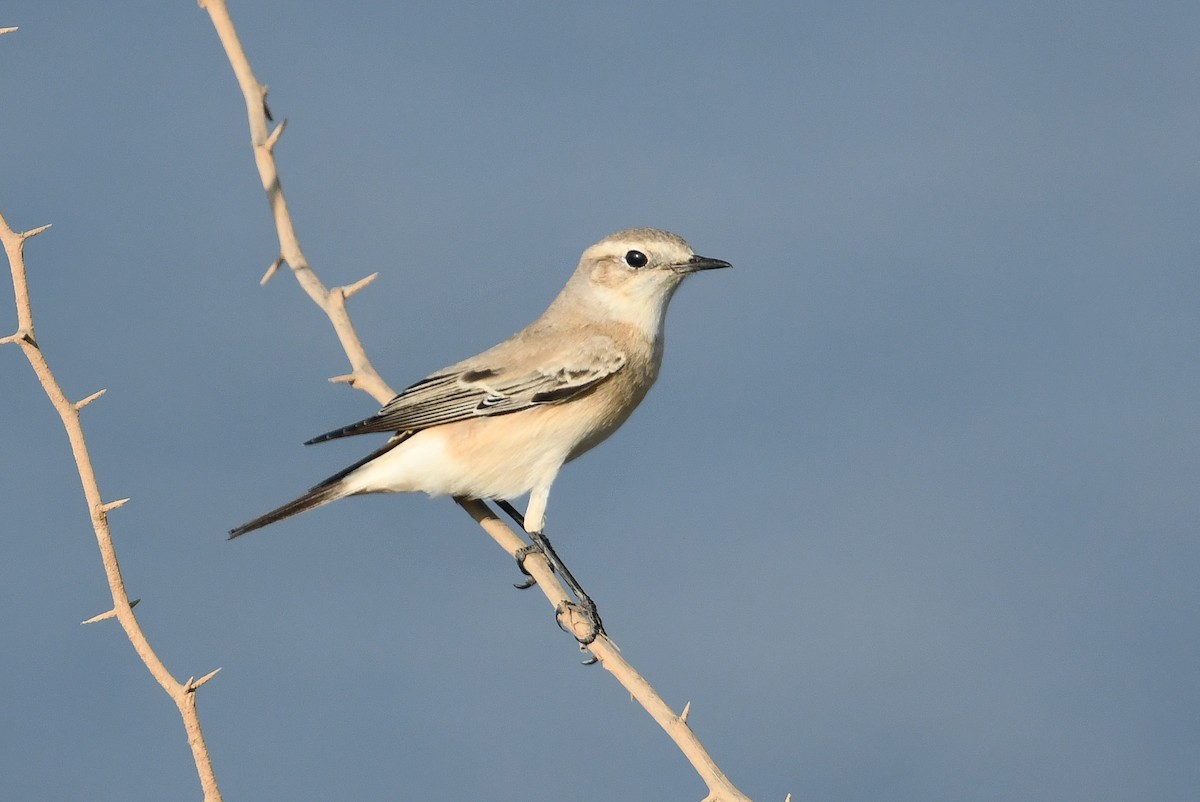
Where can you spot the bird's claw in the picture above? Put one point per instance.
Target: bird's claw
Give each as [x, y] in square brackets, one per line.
[589, 614]
[520, 556]
[585, 610]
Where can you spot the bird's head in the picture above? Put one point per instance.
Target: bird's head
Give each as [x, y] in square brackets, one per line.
[632, 274]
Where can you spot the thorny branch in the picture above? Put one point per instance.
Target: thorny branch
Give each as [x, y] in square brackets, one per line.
[364, 377]
[183, 694]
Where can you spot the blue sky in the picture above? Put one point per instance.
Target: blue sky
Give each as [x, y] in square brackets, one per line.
[910, 515]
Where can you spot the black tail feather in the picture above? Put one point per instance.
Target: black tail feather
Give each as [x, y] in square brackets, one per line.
[328, 490]
[321, 494]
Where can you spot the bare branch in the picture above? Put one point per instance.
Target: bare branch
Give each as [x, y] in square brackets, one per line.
[254, 93]
[605, 651]
[16, 337]
[122, 609]
[364, 377]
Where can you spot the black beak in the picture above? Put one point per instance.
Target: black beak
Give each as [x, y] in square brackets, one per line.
[698, 263]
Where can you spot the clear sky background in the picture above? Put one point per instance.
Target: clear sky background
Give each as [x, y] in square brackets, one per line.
[911, 515]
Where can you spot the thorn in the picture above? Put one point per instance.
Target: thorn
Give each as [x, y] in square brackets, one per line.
[192, 684]
[112, 505]
[358, 285]
[270, 271]
[346, 379]
[8, 30]
[787, 798]
[686, 710]
[278, 132]
[90, 399]
[101, 617]
[110, 614]
[33, 232]
[12, 338]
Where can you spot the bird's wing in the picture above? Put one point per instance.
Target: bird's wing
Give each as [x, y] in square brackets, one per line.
[494, 383]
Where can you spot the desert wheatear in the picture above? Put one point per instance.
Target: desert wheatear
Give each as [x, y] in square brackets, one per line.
[502, 423]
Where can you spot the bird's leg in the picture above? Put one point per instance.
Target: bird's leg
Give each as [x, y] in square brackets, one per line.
[522, 552]
[542, 543]
[585, 601]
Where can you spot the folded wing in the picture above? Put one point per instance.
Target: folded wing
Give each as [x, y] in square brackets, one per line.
[497, 382]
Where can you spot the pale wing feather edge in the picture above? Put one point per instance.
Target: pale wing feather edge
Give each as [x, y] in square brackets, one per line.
[472, 389]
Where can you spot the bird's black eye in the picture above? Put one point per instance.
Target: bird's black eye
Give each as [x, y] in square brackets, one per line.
[636, 259]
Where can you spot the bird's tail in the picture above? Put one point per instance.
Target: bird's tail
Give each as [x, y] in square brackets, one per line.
[331, 489]
[318, 496]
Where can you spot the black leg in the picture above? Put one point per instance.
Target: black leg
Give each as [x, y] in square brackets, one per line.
[542, 543]
[522, 552]
[511, 512]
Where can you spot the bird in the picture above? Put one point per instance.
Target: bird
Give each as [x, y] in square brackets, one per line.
[502, 423]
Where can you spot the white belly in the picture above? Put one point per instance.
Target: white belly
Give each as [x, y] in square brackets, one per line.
[503, 456]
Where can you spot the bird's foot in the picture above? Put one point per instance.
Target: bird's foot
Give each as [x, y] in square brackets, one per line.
[520, 556]
[581, 621]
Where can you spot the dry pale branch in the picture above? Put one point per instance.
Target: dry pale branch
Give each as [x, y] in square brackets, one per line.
[720, 789]
[364, 377]
[332, 302]
[181, 693]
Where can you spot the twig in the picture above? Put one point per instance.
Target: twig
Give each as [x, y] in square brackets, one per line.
[363, 374]
[720, 789]
[182, 694]
[365, 378]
